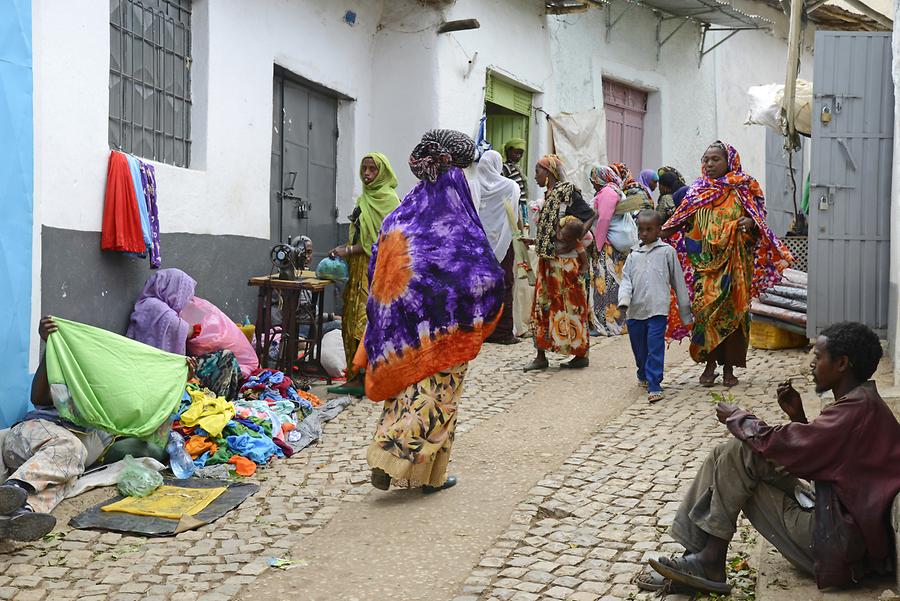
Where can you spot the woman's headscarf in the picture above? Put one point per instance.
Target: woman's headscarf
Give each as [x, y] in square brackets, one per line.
[439, 150]
[435, 286]
[647, 177]
[155, 319]
[678, 178]
[377, 200]
[554, 165]
[606, 177]
[624, 173]
[497, 196]
[771, 256]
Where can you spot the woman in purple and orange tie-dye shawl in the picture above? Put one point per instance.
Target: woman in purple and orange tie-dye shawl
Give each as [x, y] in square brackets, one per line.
[729, 255]
[436, 293]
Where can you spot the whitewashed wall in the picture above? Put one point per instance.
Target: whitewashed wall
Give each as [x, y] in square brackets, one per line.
[689, 105]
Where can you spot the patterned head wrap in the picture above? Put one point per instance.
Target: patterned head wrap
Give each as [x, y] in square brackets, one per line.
[438, 151]
[554, 165]
[628, 181]
[671, 172]
[606, 177]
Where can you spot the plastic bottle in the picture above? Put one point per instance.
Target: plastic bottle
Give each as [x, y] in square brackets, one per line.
[179, 461]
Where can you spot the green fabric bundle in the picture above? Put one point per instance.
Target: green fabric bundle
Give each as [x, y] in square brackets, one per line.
[102, 380]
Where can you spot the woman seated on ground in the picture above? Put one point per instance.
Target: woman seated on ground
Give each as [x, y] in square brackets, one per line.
[156, 321]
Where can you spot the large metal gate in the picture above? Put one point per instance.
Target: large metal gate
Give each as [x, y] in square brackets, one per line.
[852, 150]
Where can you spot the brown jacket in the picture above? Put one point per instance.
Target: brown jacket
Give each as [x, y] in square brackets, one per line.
[854, 447]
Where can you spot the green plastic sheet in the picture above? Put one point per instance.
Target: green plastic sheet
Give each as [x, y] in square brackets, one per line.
[99, 379]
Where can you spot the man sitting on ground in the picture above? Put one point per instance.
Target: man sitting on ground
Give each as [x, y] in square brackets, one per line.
[839, 532]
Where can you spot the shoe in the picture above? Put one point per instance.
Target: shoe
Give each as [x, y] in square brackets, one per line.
[343, 389]
[26, 525]
[576, 363]
[536, 365]
[655, 397]
[449, 483]
[12, 497]
[380, 479]
[643, 384]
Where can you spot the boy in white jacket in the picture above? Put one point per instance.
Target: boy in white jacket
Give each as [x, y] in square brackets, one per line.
[651, 271]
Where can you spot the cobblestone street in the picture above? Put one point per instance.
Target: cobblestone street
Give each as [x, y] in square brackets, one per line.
[581, 532]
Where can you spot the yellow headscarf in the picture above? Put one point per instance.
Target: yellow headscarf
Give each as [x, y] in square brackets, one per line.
[375, 203]
[554, 165]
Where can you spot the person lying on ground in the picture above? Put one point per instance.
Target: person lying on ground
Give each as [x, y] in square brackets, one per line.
[837, 532]
[46, 453]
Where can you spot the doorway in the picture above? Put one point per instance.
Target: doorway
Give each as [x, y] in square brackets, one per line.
[304, 164]
[508, 109]
[625, 109]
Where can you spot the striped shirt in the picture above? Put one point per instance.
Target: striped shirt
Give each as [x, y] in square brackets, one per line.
[511, 171]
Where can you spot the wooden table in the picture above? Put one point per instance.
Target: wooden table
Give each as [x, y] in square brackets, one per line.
[294, 313]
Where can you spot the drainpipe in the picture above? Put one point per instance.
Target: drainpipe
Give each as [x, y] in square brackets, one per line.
[792, 140]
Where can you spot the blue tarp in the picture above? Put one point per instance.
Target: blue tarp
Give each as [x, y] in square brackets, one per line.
[16, 192]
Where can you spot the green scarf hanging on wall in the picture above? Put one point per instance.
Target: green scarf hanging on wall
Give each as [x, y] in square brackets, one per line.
[99, 379]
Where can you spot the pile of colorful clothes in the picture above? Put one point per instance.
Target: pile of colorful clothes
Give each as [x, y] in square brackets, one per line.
[248, 431]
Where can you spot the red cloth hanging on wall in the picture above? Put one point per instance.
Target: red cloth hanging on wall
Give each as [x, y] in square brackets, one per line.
[121, 217]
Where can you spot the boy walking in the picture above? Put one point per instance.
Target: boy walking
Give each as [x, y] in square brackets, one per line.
[651, 271]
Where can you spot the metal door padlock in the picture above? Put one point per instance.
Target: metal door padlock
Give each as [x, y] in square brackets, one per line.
[826, 115]
[823, 203]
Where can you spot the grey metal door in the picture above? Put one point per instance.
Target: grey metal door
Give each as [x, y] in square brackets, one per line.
[852, 149]
[779, 186]
[304, 160]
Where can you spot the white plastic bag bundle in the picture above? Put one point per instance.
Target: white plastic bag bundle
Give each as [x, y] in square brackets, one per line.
[622, 233]
[766, 103]
[334, 361]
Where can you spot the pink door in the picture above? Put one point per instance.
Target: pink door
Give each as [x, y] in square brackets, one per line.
[625, 108]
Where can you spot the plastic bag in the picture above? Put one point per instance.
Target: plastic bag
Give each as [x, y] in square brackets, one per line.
[135, 480]
[332, 269]
[622, 233]
[217, 332]
[334, 360]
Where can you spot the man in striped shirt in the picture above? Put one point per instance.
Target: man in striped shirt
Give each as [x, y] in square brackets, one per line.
[513, 151]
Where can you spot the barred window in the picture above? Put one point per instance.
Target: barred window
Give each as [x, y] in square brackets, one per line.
[150, 79]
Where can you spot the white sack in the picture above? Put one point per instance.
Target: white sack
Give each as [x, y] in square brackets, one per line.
[334, 361]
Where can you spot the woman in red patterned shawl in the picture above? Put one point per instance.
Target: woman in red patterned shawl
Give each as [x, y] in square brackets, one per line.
[729, 256]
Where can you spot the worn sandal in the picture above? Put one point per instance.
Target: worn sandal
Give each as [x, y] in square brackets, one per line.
[536, 365]
[688, 571]
[708, 381]
[643, 384]
[730, 381]
[650, 580]
[576, 363]
[655, 397]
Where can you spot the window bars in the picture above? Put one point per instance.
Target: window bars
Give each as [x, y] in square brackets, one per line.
[150, 79]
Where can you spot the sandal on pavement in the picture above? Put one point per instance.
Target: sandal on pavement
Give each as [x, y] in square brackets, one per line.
[688, 571]
[537, 365]
[708, 381]
[576, 363]
[655, 397]
[449, 483]
[650, 580]
[730, 381]
[643, 384]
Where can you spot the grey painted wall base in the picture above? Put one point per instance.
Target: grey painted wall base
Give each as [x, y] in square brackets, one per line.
[82, 283]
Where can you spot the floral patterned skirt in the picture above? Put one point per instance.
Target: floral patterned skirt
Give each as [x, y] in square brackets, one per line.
[560, 312]
[415, 433]
[607, 277]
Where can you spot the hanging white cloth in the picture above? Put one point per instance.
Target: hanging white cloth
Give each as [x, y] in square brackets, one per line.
[497, 197]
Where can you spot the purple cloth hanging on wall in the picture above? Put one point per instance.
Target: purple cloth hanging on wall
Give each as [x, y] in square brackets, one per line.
[148, 181]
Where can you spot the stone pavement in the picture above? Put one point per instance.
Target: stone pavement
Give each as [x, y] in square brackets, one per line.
[586, 529]
[297, 497]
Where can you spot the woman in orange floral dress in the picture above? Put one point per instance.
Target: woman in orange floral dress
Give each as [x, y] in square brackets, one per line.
[560, 313]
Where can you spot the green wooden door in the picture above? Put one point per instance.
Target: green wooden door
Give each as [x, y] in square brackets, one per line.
[508, 110]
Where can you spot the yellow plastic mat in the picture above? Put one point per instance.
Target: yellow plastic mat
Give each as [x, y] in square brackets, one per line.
[170, 502]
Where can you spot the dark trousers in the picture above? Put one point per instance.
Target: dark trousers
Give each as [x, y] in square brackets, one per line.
[648, 343]
[504, 329]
